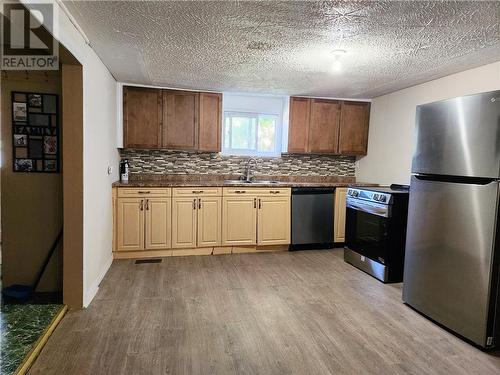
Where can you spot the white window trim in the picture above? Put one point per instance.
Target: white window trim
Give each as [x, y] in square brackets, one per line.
[249, 152]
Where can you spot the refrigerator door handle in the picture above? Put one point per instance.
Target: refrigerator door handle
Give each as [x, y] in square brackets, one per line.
[456, 179]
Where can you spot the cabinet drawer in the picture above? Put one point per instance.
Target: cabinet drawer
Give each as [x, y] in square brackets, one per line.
[198, 191]
[144, 192]
[239, 191]
[272, 192]
[257, 191]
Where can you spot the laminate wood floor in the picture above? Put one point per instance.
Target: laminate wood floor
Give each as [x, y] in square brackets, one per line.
[268, 313]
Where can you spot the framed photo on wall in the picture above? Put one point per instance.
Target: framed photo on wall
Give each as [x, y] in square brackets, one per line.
[19, 110]
[35, 132]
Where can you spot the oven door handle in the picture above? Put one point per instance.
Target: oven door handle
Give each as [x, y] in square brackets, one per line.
[368, 207]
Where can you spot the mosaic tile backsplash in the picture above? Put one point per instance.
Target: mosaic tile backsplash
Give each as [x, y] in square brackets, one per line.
[179, 162]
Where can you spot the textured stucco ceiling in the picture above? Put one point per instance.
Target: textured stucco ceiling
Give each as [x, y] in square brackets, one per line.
[285, 47]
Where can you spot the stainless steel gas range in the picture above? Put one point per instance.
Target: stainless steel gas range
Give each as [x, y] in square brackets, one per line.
[376, 230]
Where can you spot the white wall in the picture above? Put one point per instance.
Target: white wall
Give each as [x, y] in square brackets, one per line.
[99, 137]
[392, 121]
[99, 145]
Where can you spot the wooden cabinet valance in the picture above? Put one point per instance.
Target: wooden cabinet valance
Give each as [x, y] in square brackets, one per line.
[328, 126]
[171, 119]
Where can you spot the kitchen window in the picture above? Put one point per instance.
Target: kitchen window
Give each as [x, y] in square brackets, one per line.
[251, 134]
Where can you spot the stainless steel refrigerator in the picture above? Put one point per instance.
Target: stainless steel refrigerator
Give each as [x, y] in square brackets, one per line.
[451, 272]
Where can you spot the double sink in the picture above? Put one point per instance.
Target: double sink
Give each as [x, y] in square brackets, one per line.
[250, 182]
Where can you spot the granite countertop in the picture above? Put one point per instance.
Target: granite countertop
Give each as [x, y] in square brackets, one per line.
[150, 180]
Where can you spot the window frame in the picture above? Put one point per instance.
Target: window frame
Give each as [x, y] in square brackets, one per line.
[251, 152]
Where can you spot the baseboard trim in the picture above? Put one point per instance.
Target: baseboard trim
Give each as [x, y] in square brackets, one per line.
[195, 251]
[92, 291]
[33, 354]
[141, 254]
[218, 250]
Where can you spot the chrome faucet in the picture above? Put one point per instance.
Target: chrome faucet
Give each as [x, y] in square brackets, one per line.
[248, 169]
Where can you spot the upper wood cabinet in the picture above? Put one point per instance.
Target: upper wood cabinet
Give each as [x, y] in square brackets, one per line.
[300, 112]
[324, 126]
[142, 116]
[328, 126]
[172, 119]
[210, 128]
[180, 119]
[354, 119]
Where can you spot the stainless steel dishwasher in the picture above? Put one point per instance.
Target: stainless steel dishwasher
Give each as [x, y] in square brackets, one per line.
[312, 218]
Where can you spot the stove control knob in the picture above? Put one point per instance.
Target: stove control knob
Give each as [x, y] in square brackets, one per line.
[383, 198]
[376, 197]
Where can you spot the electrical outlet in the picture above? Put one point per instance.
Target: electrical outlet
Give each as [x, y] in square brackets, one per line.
[110, 169]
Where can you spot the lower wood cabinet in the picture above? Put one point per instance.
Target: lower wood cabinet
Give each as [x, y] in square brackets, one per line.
[114, 203]
[209, 221]
[256, 217]
[143, 219]
[273, 220]
[239, 225]
[130, 224]
[184, 222]
[190, 218]
[339, 215]
[196, 221]
[143, 224]
[158, 223]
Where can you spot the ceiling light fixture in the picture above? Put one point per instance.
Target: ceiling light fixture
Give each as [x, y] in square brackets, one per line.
[337, 64]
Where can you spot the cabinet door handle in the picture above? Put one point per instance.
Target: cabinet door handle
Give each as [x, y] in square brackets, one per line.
[240, 191]
[197, 191]
[274, 192]
[255, 203]
[141, 205]
[199, 203]
[194, 204]
[144, 192]
[147, 204]
[260, 205]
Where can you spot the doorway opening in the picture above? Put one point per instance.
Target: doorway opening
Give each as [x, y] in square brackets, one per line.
[41, 202]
